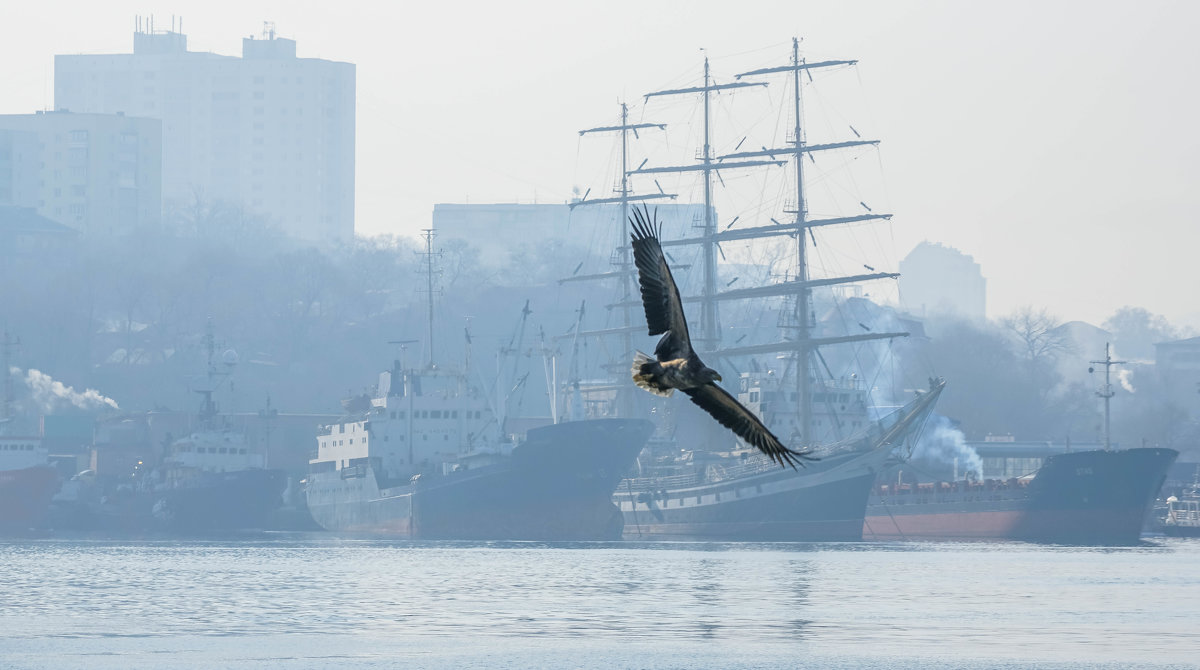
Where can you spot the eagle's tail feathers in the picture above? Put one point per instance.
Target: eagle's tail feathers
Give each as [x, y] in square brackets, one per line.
[646, 372]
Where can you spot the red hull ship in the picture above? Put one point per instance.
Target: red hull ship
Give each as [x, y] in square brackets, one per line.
[25, 497]
[1085, 497]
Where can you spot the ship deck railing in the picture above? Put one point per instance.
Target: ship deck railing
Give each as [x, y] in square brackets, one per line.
[752, 465]
[1012, 484]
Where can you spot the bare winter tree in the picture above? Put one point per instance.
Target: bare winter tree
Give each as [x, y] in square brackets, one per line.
[1039, 337]
[1039, 340]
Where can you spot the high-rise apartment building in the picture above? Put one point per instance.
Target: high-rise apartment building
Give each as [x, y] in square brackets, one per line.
[939, 279]
[270, 132]
[98, 174]
[20, 162]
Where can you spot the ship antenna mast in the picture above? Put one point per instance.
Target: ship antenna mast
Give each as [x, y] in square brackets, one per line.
[624, 196]
[427, 260]
[1106, 391]
[8, 343]
[208, 408]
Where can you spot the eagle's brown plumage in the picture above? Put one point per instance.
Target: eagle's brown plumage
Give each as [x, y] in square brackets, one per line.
[676, 365]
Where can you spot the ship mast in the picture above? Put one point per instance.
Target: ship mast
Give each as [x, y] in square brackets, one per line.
[1106, 391]
[709, 324]
[6, 345]
[804, 344]
[427, 260]
[208, 407]
[624, 268]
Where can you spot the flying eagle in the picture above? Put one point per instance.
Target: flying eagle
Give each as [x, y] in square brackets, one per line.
[677, 365]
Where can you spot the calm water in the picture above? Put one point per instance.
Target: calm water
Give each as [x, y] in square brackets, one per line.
[300, 601]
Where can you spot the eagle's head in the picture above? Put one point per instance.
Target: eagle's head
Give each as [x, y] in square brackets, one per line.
[711, 375]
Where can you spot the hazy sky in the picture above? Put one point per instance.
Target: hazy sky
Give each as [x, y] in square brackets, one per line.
[1055, 142]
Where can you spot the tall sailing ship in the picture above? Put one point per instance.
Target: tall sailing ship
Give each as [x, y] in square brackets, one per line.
[724, 490]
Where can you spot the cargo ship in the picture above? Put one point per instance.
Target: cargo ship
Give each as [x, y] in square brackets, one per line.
[27, 483]
[1094, 496]
[1083, 497]
[430, 455]
[427, 458]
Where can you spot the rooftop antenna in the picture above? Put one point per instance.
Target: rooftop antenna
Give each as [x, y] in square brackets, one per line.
[1106, 391]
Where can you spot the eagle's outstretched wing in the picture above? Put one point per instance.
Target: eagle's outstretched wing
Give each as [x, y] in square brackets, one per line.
[660, 296]
[731, 414]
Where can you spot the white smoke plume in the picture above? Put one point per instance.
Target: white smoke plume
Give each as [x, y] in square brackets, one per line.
[942, 442]
[1123, 377]
[50, 394]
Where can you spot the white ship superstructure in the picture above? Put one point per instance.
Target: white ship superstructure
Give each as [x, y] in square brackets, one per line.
[418, 422]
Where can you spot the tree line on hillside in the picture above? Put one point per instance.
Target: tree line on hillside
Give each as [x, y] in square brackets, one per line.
[1024, 375]
[312, 325]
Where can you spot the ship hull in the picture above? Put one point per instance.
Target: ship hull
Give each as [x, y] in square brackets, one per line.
[219, 502]
[1089, 497]
[556, 486]
[822, 503]
[1180, 531]
[25, 497]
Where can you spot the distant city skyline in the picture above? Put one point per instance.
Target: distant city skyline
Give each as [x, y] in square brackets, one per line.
[1051, 142]
[264, 130]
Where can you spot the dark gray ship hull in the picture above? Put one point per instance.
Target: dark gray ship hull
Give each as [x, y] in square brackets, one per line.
[1086, 497]
[759, 501]
[556, 486]
[824, 503]
[215, 502]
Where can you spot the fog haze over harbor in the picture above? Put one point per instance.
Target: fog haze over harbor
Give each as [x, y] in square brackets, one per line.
[317, 322]
[1050, 142]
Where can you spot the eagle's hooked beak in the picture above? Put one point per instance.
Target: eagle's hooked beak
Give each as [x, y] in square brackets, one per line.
[719, 377]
